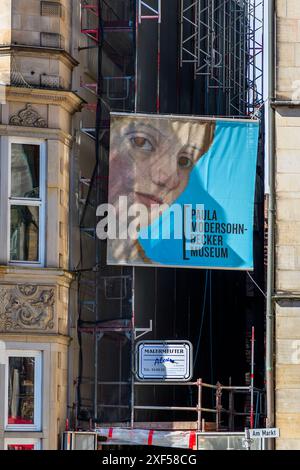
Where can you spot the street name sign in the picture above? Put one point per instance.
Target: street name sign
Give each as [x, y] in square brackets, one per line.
[264, 433]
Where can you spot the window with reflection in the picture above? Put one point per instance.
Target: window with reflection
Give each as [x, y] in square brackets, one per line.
[24, 390]
[26, 202]
[21, 390]
[25, 171]
[24, 233]
[20, 447]
[22, 444]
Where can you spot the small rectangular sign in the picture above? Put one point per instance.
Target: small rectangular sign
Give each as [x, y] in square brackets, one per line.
[164, 361]
[264, 433]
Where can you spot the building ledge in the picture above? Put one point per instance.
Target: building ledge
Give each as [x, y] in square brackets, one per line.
[38, 50]
[285, 103]
[68, 100]
[286, 296]
[39, 133]
[34, 337]
[37, 275]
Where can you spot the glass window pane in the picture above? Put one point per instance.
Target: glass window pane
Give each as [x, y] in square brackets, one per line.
[21, 390]
[24, 233]
[25, 171]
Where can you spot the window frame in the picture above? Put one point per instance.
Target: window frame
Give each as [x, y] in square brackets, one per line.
[21, 201]
[38, 383]
[8, 441]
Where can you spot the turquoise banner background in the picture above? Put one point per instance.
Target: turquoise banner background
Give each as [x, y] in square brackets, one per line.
[223, 180]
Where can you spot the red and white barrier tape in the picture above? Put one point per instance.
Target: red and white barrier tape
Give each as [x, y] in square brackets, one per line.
[179, 439]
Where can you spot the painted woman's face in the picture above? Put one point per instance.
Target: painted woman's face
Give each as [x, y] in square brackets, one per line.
[151, 159]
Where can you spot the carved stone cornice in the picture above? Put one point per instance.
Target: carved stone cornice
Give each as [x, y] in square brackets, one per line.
[68, 100]
[27, 307]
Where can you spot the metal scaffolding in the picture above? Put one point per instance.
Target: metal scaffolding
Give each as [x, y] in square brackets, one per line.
[146, 11]
[105, 323]
[223, 40]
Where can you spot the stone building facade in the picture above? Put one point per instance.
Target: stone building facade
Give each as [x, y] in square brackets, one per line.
[39, 125]
[38, 42]
[287, 289]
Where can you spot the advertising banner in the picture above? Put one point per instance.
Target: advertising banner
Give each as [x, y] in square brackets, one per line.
[181, 192]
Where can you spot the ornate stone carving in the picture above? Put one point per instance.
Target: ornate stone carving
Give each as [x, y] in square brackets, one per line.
[28, 290]
[26, 307]
[28, 117]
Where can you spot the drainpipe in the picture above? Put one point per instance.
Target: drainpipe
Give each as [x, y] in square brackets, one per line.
[270, 392]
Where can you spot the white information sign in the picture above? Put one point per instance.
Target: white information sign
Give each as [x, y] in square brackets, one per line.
[161, 361]
[264, 433]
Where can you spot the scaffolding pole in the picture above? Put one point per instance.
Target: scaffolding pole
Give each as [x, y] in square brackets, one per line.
[271, 223]
[252, 379]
